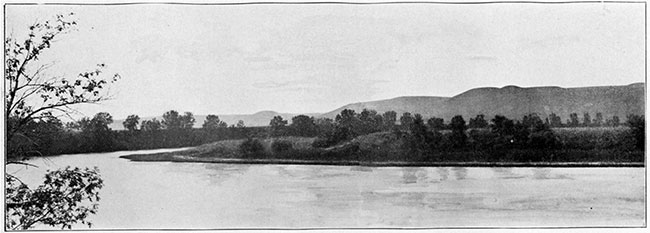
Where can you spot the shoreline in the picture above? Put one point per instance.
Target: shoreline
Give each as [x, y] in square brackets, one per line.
[189, 159]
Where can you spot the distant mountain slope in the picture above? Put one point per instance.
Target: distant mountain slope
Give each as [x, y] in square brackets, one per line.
[515, 102]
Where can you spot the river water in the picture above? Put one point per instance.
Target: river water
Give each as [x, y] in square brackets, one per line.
[165, 195]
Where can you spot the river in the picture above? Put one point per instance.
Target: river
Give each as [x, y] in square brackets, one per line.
[166, 195]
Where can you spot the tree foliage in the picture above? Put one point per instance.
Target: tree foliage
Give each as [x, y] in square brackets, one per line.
[436, 123]
[637, 124]
[573, 120]
[586, 119]
[174, 121]
[131, 122]
[303, 125]
[278, 125]
[458, 127]
[32, 95]
[406, 120]
[151, 125]
[31, 100]
[213, 122]
[57, 202]
[555, 120]
[390, 118]
[478, 122]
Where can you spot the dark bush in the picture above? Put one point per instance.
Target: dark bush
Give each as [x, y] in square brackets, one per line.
[280, 146]
[637, 124]
[251, 146]
[545, 139]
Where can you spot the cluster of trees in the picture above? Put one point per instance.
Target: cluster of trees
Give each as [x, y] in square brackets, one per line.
[433, 134]
[172, 120]
[574, 121]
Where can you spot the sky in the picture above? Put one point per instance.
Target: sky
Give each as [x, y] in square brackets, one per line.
[212, 59]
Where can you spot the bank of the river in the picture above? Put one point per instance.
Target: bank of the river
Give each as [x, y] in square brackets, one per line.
[362, 153]
[170, 157]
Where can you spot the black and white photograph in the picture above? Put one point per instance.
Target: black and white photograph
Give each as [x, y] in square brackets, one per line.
[336, 116]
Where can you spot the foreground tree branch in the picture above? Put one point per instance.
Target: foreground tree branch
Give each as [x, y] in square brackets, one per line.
[67, 196]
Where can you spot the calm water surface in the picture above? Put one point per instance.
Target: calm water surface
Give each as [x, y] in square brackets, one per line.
[157, 195]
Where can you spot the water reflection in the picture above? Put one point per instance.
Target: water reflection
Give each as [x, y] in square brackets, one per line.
[460, 172]
[545, 173]
[221, 172]
[506, 173]
[409, 175]
[415, 175]
[541, 173]
[361, 169]
[443, 172]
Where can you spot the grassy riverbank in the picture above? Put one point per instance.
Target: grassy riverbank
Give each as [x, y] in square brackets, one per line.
[384, 149]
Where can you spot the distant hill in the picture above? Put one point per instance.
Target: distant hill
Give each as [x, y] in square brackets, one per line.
[510, 101]
[515, 102]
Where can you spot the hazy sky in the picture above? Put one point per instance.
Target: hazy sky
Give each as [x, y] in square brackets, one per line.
[315, 58]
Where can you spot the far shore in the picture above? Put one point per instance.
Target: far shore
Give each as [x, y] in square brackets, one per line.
[169, 157]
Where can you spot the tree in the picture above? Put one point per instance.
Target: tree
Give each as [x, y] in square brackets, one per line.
[98, 135]
[586, 119]
[151, 125]
[213, 122]
[536, 134]
[532, 122]
[573, 122]
[171, 120]
[555, 120]
[277, 125]
[240, 124]
[436, 123]
[419, 140]
[599, 119]
[370, 122]
[389, 119]
[478, 122]
[324, 126]
[303, 125]
[616, 121]
[56, 202]
[637, 124]
[349, 122]
[504, 129]
[131, 122]
[32, 96]
[458, 127]
[347, 118]
[187, 120]
[406, 120]
[38, 137]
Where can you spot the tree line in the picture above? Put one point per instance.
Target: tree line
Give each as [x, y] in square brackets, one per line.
[49, 136]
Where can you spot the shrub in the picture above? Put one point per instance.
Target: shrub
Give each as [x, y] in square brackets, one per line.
[544, 139]
[251, 146]
[637, 124]
[280, 146]
[321, 143]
